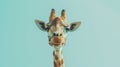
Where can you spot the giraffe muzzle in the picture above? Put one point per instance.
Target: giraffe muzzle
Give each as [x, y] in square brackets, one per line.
[57, 40]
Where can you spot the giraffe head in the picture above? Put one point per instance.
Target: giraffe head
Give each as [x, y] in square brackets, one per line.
[57, 28]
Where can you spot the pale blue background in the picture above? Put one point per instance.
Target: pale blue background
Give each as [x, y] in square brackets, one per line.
[95, 44]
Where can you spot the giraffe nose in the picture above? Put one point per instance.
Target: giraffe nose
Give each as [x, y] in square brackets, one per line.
[58, 39]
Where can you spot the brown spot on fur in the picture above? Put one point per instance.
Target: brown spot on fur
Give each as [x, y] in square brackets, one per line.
[61, 61]
[55, 56]
[58, 39]
[55, 21]
[55, 64]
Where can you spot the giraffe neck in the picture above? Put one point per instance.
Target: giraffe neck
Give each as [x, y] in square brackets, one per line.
[58, 58]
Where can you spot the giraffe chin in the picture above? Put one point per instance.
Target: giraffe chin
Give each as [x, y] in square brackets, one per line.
[56, 44]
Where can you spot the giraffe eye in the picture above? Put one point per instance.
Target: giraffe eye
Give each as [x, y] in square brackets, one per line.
[54, 34]
[60, 34]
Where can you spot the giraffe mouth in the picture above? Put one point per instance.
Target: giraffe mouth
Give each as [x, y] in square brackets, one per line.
[57, 44]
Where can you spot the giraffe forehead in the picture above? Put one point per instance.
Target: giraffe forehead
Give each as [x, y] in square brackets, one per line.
[57, 28]
[56, 19]
[57, 22]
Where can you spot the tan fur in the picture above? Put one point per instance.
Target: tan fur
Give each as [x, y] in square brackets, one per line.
[58, 61]
[57, 24]
[55, 56]
[63, 15]
[52, 15]
[57, 28]
[61, 61]
[58, 39]
[55, 64]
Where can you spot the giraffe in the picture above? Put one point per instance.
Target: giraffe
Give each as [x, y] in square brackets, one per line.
[57, 30]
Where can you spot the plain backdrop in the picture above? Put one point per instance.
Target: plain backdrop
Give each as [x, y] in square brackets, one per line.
[95, 44]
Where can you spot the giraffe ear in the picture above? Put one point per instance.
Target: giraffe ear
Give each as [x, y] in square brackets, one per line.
[73, 26]
[41, 25]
